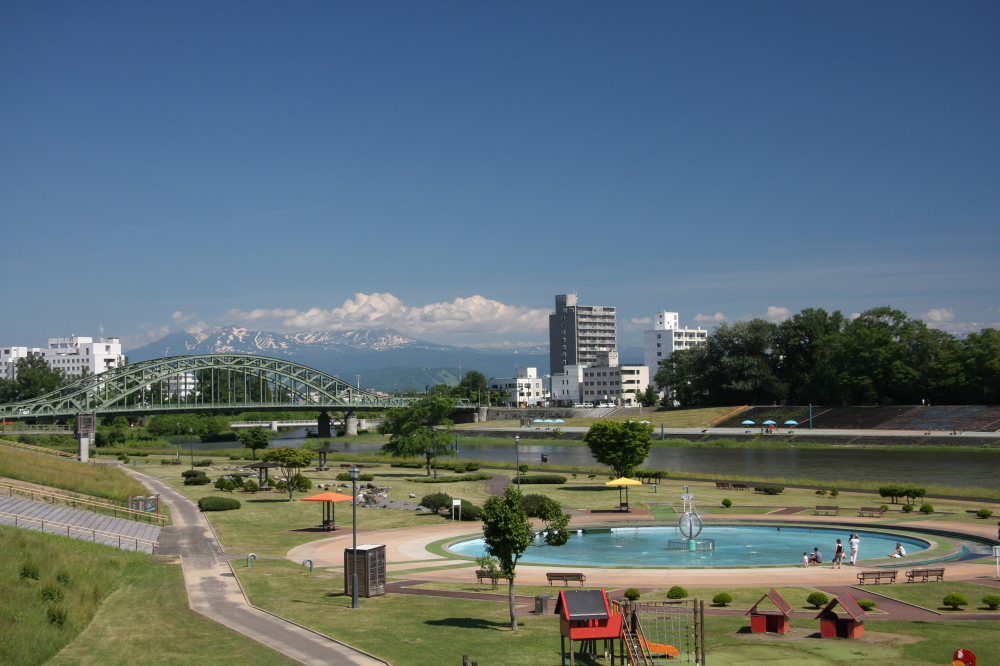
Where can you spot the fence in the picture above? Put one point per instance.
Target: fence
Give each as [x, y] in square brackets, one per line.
[663, 625]
[94, 533]
[85, 504]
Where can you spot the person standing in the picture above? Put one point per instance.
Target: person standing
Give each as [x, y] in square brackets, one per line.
[838, 556]
[805, 560]
[855, 542]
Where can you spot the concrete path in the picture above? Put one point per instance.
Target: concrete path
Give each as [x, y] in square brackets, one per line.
[214, 592]
[123, 533]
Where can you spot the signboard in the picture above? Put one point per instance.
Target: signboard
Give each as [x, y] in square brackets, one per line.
[144, 503]
[456, 503]
[687, 497]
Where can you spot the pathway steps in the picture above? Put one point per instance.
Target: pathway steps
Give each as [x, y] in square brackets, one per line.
[127, 530]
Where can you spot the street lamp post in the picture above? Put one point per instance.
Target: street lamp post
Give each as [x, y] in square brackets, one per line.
[191, 432]
[435, 437]
[517, 460]
[355, 473]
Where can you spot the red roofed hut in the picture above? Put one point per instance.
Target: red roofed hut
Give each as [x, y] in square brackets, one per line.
[328, 499]
[849, 624]
[585, 615]
[765, 621]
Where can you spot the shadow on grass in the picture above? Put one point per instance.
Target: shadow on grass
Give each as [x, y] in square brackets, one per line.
[587, 488]
[267, 501]
[468, 623]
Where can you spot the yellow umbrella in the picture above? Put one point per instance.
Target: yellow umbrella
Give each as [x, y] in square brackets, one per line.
[623, 482]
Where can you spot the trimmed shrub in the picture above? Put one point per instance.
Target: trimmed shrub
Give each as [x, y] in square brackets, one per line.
[727, 502]
[834, 492]
[51, 593]
[410, 465]
[238, 481]
[885, 507]
[632, 594]
[188, 473]
[250, 486]
[453, 479]
[984, 513]
[56, 615]
[532, 503]
[216, 503]
[436, 501]
[203, 463]
[955, 600]
[926, 508]
[907, 508]
[867, 604]
[235, 456]
[769, 489]
[280, 486]
[165, 461]
[821, 492]
[722, 598]
[992, 600]
[523, 469]
[225, 484]
[344, 476]
[543, 478]
[677, 592]
[470, 511]
[301, 483]
[29, 570]
[472, 468]
[817, 599]
[197, 480]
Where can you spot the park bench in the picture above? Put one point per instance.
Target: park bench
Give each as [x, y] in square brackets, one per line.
[924, 575]
[879, 577]
[483, 573]
[740, 486]
[827, 510]
[722, 484]
[566, 577]
[874, 511]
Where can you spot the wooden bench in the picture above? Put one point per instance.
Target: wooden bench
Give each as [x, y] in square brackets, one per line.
[483, 573]
[827, 510]
[879, 577]
[874, 511]
[566, 577]
[924, 575]
[740, 486]
[722, 484]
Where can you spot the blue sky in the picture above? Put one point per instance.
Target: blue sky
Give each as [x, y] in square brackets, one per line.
[288, 166]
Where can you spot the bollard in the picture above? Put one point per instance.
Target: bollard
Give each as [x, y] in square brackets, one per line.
[253, 555]
[310, 564]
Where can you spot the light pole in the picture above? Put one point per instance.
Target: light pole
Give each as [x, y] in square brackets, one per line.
[191, 432]
[435, 438]
[517, 460]
[355, 472]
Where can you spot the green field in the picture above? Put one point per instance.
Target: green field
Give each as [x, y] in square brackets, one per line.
[929, 595]
[97, 480]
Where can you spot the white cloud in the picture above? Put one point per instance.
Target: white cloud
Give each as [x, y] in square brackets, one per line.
[776, 314]
[506, 344]
[147, 333]
[642, 320]
[180, 317]
[195, 329]
[463, 315]
[939, 315]
[718, 316]
[855, 315]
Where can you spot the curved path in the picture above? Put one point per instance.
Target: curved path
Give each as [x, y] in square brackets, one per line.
[214, 592]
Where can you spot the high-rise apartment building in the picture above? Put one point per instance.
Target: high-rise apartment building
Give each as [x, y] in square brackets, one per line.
[667, 337]
[578, 332]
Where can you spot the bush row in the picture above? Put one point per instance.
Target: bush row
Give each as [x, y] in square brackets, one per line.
[216, 503]
[456, 478]
[542, 478]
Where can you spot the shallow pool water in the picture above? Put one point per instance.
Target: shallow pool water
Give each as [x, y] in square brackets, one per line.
[751, 545]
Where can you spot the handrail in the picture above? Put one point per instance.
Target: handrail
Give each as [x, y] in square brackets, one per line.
[37, 449]
[84, 530]
[87, 504]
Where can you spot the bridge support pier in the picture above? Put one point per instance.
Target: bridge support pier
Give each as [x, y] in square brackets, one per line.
[86, 429]
[323, 425]
[274, 426]
[351, 424]
[480, 416]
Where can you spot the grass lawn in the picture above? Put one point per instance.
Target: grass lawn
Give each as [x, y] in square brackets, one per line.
[97, 480]
[929, 595]
[743, 597]
[700, 417]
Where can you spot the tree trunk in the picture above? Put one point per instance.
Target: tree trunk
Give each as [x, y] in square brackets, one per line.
[513, 617]
[428, 463]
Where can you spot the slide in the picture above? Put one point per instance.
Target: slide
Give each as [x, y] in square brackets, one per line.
[659, 648]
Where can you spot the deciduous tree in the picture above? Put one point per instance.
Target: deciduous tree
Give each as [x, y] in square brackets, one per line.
[410, 428]
[620, 446]
[290, 461]
[507, 533]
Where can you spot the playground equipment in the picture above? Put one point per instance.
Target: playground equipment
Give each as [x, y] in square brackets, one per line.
[648, 633]
[850, 624]
[764, 621]
[690, 526]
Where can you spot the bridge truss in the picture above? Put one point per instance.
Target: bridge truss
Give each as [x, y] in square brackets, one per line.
[206, 383]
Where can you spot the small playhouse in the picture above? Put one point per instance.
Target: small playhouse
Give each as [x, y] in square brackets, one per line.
[773, 621]
[848, 624]
[585, 615]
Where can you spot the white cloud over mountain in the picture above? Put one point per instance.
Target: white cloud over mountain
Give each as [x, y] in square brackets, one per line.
[474, 314]
[718, 316]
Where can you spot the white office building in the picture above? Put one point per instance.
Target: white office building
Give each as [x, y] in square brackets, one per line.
[527, 389]
[609, 383]
[667, 337]
[75, 355]
[564, 387]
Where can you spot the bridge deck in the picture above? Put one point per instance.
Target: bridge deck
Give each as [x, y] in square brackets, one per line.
[122, 532]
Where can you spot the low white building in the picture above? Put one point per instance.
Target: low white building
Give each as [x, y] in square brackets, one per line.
[564, 387]
[74, 355]
[527, 389]
[607, 382]
[667, 337]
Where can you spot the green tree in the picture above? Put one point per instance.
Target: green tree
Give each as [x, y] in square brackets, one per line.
[796, 343]
[556, 522]
[290, 461]
[507, 533]
[253, 439]
[649, 398]
[620, 446]
[472, 387]
[410, 428]
[34, 379]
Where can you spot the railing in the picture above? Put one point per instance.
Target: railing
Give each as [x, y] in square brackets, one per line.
[37, 449]
[18, 518]
[86, 504]
[24, 429]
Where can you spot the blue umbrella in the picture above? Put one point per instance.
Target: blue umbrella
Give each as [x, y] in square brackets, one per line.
[559, 421]
[791, 422]
[549, 421]
[538, 421]
[770, 422]
[749, 423]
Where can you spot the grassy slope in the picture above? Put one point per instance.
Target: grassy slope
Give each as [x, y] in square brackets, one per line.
[98, 480]
[929, 595]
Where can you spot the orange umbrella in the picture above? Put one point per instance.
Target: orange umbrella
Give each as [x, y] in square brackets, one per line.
[328, 498]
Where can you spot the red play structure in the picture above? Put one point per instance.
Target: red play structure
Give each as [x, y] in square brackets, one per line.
[771, 621]
[585, 615]
[850, 624]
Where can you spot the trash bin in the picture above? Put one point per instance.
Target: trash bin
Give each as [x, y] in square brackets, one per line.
[542, 604]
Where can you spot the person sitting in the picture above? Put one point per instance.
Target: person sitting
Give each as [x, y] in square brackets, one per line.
[899, 552]
[816, 557]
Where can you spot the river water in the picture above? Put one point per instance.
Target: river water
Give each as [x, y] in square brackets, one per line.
[952, 468]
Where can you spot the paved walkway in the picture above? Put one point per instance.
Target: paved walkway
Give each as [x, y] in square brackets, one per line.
[214, 592]
[122, 533]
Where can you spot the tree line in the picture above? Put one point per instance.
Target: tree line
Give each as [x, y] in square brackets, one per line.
[881, 357]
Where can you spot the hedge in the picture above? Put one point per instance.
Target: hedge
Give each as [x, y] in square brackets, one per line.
[216, 503]
[541, 478]
[344, 476]
[769, 489]
[457, 477]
